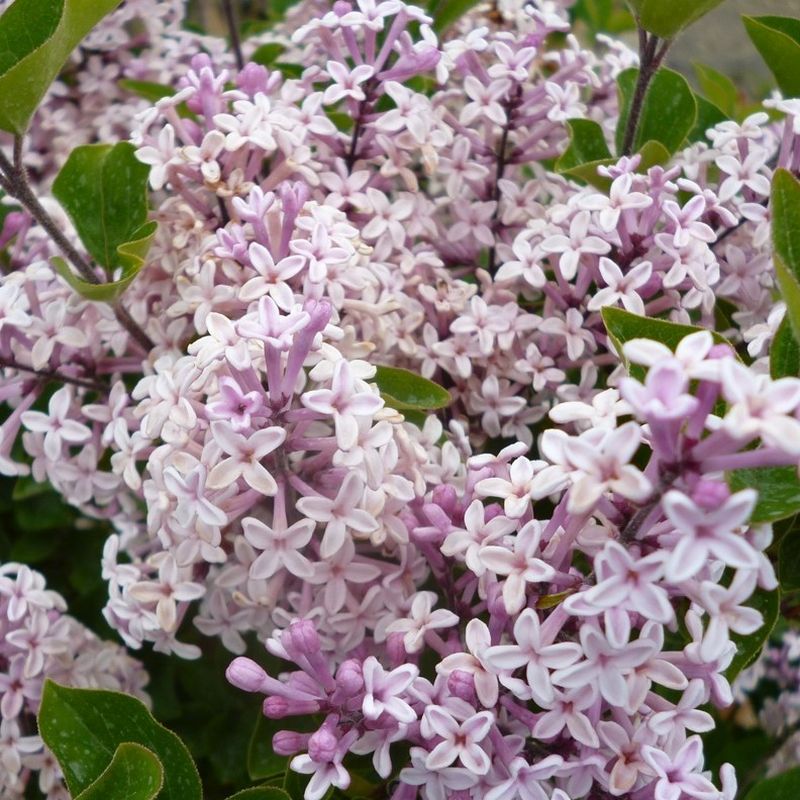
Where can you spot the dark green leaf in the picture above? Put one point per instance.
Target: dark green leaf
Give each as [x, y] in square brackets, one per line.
[103, 188]
[718, 88]
[446, 12]
[785, 786]
[153, 92]
[708, 115]
[84, 727]
[268, 54]
[652, 153]
[749, 647]
[135, 773]
[36, 39]
[785, 204]
[261, 793]
[132, 255]
[602, 16]
[789, 562]
[778, 491]
[622, 326]
[587, 143]
[403, 389]
[777, 39]
[666, 18]
[262, 762]
[669, 110]
[784, 355]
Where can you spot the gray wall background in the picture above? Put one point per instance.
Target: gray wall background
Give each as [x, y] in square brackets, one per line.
[719, 39]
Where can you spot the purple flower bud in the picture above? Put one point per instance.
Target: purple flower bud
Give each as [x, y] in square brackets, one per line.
[253, 79]
[340, 8]
[349, 678]
[492, 511]
[710, 494]
[303, 637]
[322, 745]
[446, 498]
[245, 674]
[287, 743]
[462, 685]
[276, 707]
[395, 649]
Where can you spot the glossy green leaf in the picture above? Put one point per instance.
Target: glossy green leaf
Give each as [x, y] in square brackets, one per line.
[749, 647]
[622, 326]
[135, 773]
[718, 88]
[403, 389]
[587, 144]
[785, 786]
[84, 727]
[784, 355]
[667, 18]
[789, 562]
[778, 491]
[651, 153]
[785, 204]
[103, 188]
[777, 39]
[708, 115]
[669, 110]
[36, 39]
[132, 254]
[261, 793]
[447, 12]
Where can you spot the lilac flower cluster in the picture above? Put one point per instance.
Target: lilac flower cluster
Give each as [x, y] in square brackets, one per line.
[39, 640]
[537, 588]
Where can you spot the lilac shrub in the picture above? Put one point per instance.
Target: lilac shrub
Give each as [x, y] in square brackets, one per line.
[535, 592]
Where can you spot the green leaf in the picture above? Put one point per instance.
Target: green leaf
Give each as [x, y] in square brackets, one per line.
[262, 761]
[708, 115]
[785, 206]
[446, 12]
[622, 326]
[135, 773]
[36, 39]
[749, 647]
[403, 389]
[718, 88]
[132, 255]
[777, 39]
[651, 153]
[785, 786]
[789, 562]
[778, 491]
[666, 18]
[784, 355]
[154, 92]
[103, 188]
[669, 110]
[268, 54]
[84, 727]
[261, 793]
[587, 144]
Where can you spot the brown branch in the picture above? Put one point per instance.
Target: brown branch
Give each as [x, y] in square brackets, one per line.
[54, 375]
[233, 29]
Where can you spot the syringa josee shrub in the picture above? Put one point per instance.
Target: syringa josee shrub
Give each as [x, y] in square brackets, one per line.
[536, 592]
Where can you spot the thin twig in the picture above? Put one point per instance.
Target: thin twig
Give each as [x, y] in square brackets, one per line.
[233, 29]
[54, 375]
[652, 51]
